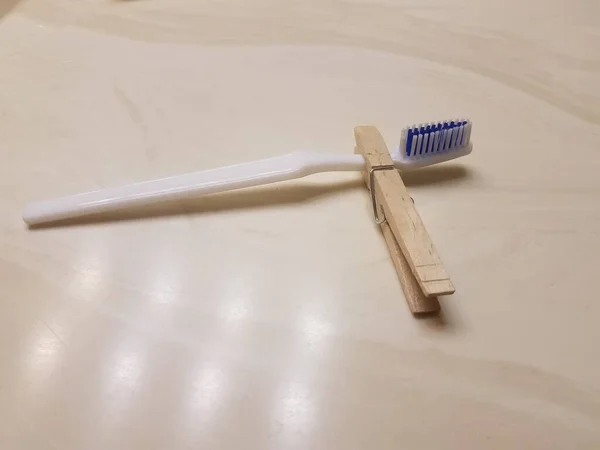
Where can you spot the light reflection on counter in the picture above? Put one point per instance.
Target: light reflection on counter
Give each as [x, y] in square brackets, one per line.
[206, 390]
[296, 407]
[315, 331]
[295, 412]
[236, 304]
[235, 312]
[88, 280]
[123, 377]
[126, 372]
[41, 358]
[203, 397]
[166, 285]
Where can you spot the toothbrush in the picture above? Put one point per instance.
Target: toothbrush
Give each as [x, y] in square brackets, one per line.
[420, 146]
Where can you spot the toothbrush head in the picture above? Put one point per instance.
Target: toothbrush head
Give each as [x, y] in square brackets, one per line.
[432, 143]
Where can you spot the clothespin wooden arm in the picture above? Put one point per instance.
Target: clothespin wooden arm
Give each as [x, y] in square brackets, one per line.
[402, 221]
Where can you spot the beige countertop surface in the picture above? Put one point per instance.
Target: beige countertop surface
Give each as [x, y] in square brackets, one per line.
[272, 318]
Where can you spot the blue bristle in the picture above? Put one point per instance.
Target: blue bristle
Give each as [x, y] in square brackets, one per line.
[417, 133]
[416, 138]
[443, 137]
[448, 137]
[409, 138]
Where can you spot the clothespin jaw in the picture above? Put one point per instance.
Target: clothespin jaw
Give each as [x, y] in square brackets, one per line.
[416, 260]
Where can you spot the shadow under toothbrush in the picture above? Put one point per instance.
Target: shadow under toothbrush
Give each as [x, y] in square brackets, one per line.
[444, 174]
[260, 197]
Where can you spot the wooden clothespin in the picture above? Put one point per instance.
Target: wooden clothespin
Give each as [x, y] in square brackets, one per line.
[417, 263]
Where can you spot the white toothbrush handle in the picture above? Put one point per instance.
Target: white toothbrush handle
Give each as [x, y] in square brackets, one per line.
[282, 168]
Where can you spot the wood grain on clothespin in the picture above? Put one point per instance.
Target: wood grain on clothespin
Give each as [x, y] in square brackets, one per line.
[403, 223]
